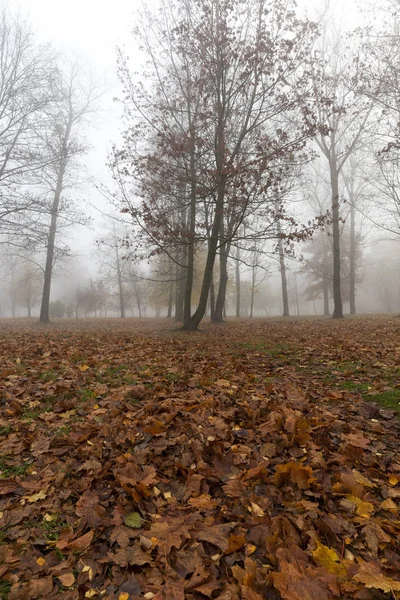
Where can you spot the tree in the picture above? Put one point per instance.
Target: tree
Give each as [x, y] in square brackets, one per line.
[344, 112]
[206, 144]
[64, 143]
[28, 286]
[26, 92]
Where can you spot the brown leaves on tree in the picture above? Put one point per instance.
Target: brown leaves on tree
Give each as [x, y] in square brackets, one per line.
[200, 466]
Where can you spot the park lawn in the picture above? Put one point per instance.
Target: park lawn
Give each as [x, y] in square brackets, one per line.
[254, 459]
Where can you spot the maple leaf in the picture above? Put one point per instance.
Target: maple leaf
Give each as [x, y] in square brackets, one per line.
[169, 534]
[294, 583]
[328, 558]
[295, 473]
[89, 508]
[372, 577]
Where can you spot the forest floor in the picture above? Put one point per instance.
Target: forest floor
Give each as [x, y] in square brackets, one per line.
[253, 460]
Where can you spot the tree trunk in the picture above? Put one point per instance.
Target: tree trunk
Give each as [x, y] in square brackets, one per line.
[325, 274]
[282, 267]
[119, 277]
[223, 282]
[337, 295]
[179, 292]
[196, 318]
[352, 258]
[297, 295]
[212, 298]
[187, 308]
[237, 270]
[44, 309]
[170, 298]
[253, 288]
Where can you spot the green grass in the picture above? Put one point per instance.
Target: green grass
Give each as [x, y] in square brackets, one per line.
[86, 394]
[5, 430]
[8, 470]
[389, 399]
[274, 351]
[5, 587]
[358, 386]
[48, 376]
[30, 415]
[51, 529]
[64, 430]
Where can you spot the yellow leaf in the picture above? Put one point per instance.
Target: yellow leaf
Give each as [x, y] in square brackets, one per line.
[257, 510]
[223, 383]
[68, 414]
[40, 561]
[359, 477]
[89, 570]
[363, 509]
[91, 593]
[49, 518]
[250, 549]
[84, 368]
[123, 596]
[35, 497]
[393, 480]
[96, 406]
[328, 559]
[389, 505]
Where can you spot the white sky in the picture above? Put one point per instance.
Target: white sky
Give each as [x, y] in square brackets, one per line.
[90, 29]
[93, 29]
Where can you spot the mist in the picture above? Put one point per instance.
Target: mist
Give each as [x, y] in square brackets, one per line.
[155, 170]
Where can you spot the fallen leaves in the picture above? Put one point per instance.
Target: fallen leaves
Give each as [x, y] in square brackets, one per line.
[140, 463]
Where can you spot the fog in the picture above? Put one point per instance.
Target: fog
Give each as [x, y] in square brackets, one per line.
[157, 162]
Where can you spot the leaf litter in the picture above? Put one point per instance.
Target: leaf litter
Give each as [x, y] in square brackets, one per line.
[143, 463]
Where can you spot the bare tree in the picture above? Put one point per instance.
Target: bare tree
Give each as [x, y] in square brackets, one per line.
[344, 112]
[26, 91]
[64, 142]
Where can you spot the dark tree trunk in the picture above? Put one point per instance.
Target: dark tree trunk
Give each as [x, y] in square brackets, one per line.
[45, 306]
[282, 267]
[223, 282]
[237, 270]
[170, 298]
[196, 318]
[179, 292]
[325, 274]
[187, 309]
[337, 295]
[253, 289]
[353, 250]
[212, 298]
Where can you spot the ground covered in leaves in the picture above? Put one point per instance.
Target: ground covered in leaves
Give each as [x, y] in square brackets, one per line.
[254, 460]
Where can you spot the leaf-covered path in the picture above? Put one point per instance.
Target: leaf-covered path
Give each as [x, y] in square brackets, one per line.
[255, 460]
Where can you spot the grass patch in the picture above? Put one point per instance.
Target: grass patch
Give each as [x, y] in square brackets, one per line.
[388, 399]
[48, 376]
[353, 385]
[5, 587]
[86, 394]
[5, 430]
[29, 415]
[52, 528]
[8, 470]
[275, 351]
